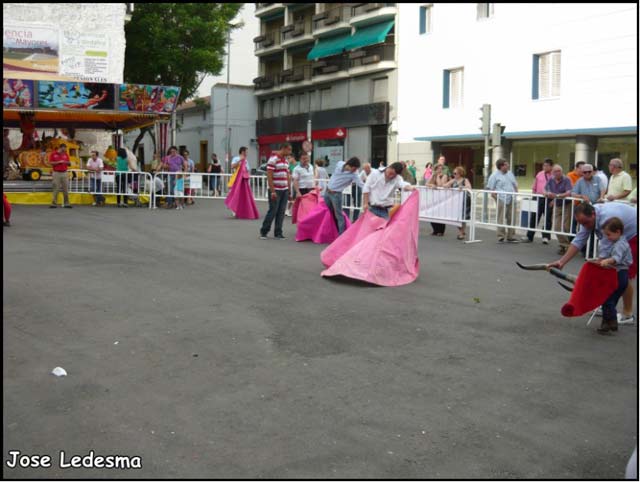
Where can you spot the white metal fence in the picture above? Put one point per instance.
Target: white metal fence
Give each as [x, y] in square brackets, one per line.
[136, 186]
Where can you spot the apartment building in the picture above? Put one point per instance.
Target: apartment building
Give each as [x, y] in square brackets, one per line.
[561, 78]
[329, 68]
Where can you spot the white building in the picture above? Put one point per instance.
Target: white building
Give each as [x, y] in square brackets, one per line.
[561, 78]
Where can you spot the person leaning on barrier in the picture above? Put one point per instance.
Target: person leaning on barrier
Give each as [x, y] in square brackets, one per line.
[545, 206]
[589, 187]
[380, 188]
[503, 181]
[95, 166]
[620, 183]
[344, 175]
[438, 179]
[592, 218]
[459, 181]
[558, 188]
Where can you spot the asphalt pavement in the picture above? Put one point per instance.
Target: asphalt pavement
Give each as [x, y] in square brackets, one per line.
[209, 353]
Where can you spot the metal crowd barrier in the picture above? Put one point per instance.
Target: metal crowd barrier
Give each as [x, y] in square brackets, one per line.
[130, 185]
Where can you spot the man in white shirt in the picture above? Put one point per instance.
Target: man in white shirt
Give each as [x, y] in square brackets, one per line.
[380, 188]
[95, 166]
[303, 176]
[620, 183]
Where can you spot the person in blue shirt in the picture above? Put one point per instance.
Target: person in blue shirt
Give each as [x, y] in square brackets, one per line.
[344, 175]
[503, 181]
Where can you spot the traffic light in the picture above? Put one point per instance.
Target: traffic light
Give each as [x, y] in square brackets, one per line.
[496, 135]
[486, 119]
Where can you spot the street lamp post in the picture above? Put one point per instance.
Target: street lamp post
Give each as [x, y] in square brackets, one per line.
[227, 128]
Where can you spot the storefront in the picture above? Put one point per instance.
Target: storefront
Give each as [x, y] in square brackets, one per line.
[328, 144]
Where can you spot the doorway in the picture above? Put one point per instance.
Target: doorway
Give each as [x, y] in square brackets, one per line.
[460, 156]
[204, 155]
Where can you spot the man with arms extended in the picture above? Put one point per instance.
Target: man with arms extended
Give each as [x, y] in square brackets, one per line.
[279, 182]
[591, 219]
[344, 174]
[380, 188]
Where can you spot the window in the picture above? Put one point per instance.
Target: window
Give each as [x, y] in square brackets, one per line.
[380, 87]
[280, 111]
[425, 19]
[204, 114]
[452, 88]
[303, 103]
[325, 99]
[546, 75]
[485, 10]
[293, 104]
[267, 109]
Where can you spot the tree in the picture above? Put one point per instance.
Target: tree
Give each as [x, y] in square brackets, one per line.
[176, 44]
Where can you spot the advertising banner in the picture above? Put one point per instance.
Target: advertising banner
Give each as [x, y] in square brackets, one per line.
[30, 50]
[75, 95]
[17, 94]
[84, 56]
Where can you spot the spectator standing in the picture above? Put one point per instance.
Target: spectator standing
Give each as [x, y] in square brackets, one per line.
[60, 162]
[443, 162]
[460, 181]
[558, 188]
[503, 182]
[344, 174]
[156, 164]
[545, 206]
[589, 188]
[173, 163]
[292, 165]
[427, 173]
[438, 179]
[279, 187]
[215, 181]
[321, 176]
[576, 173]
[592, 218]
[379, 190]
[179, 191]
[303, 176]
[620, 183]
[603, 178]
[616, 254]
[122, 168]
[414, 173]
[95, 166]
[191, 167]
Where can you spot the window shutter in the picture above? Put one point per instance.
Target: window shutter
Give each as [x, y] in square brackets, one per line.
[534, 78]
[455, 88]
[445, 89]
[545, 76]
[555, 77]
[423, 20]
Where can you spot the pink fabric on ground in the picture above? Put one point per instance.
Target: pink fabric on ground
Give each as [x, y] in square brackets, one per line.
[592, 288]
[304, 205]
[366, 224]
[240, 198]
[388, 256]
[319, 225]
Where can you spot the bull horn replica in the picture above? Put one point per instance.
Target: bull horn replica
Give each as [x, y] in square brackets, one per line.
[554, 271]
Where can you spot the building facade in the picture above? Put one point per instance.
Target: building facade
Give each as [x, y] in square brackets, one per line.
[561, 78]
[328, 71]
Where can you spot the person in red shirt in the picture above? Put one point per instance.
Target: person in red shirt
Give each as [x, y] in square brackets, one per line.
[60, 162]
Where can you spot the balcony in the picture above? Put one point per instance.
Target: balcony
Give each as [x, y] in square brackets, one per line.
[298, 76]
[264, 9]
[368, 13]
[330, 69]
[375, 58]
[268, 43]
[266, 83]
[296, 34]
[332, 22]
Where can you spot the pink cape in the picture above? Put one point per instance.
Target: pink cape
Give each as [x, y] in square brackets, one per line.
[389, 255]
[304, 205]
[240, 198]
[592, 288]
[366, 224]
[319, 225]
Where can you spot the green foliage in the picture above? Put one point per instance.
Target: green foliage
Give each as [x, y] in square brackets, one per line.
[177, 43]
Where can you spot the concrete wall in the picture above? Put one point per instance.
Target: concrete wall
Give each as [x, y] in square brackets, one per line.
[98, 18]
[599, 67]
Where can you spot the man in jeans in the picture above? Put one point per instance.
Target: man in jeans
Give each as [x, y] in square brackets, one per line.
[503, 181]
[60, 162]
[95, 165]
[544, 211]
[344, 174]
[279, 181]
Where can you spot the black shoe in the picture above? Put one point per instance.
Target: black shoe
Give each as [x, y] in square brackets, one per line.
[67, 206]
[280, 238]
[53, 206]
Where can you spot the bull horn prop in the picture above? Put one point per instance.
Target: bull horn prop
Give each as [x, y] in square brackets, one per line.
[554, 271]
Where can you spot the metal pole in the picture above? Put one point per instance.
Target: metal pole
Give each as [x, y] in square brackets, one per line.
[485, 196]
[227, 130]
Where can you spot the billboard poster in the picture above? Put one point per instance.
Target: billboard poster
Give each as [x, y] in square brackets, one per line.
[75, 95]
[29, 49]
[148, 98]
[331, 155]
[17, 94]
[84, 56]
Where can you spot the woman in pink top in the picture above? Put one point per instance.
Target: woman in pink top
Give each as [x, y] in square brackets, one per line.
[544, 204]
[427, 173]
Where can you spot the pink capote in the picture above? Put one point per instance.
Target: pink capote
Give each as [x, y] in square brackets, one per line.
[388, 256]
[304, 205]
[592, 288]
[319, 225]
[240, 198]
[366, 224]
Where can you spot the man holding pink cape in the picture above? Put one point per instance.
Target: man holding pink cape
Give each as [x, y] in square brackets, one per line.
[240, 198]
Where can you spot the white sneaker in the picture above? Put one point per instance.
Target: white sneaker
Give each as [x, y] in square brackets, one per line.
[545, 241]
[626, 319]
[94, 204]
[287, 213]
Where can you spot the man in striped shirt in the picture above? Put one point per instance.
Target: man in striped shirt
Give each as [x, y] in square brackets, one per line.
[279, 181]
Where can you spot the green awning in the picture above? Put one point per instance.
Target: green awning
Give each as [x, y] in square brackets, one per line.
[329, 46]
[370, 35]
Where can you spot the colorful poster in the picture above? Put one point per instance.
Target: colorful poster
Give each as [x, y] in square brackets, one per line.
[84, 56]
[148, 98]
[17, 94]
[75, 95]
[30, 49]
